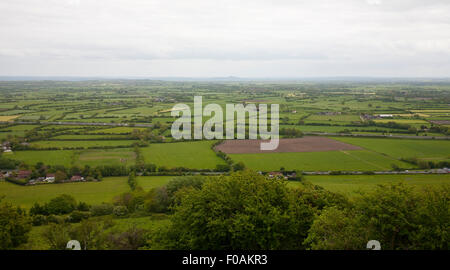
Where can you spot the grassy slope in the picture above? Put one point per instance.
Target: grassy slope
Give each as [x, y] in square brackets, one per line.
[62, 157]
[149, 182]
[89, 192]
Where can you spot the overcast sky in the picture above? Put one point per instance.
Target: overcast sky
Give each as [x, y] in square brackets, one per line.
[211, 38]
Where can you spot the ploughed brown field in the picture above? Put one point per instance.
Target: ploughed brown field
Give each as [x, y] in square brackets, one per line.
[441, 122]
[305, 144]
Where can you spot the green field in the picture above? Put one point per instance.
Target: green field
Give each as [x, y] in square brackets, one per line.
[49, 157]
[350, 184]
[101, 157]
[402, 121]
[403, 148]
[319, 161]
[88, 137]
[117, 130]
[149, 182]
[83, 144]
[194, 154]
[89, 192]
[337, 118]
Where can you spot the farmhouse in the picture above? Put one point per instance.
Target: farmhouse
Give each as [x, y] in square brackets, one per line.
[6, 147]
[50, 178]
[385, 115]
[76, 178]
[23, 174]
[276, 175]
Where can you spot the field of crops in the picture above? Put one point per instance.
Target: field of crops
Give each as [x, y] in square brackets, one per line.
[337, 118]
[60, 157]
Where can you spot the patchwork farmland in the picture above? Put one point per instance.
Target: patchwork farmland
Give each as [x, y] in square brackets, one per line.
[108, 147]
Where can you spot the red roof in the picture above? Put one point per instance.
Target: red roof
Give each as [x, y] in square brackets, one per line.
[23, 174]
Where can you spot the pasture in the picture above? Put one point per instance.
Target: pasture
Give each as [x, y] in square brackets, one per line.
[305, 144]
[193, 155]
[361, 160]
[403, 148]
[101, 157]
[49, 157]
[352, 184]
[89, 192]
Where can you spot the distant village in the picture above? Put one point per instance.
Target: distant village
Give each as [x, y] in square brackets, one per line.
[375, 116]
[26, 176]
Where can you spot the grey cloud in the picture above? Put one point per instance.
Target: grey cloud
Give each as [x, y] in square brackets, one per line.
[353, 37]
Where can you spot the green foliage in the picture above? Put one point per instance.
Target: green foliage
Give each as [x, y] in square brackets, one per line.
[8, 164]
[244, 211]
[336, 229]
[77, 216]
[395, 215]
[291, 133]
[102, 209]
[239, 166]
[62, 204]
[120, 211]
[57, 235]
[132, 182]
[14, 226]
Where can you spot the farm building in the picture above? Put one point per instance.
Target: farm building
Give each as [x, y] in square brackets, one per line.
[50, 178]
[23, 174]
[276, 175]
[76, 178]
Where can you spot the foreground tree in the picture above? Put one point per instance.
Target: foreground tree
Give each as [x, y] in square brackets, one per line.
[14, 226]
[63, 204]
[396, 215]
[242, 211]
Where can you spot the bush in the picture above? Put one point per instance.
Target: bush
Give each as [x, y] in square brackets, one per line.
[62, 204]
[102, 209]
[240, 166]
[14, 226]
[244, 211]
[396, 215]
[38, 220]
[55, 219]
[77, 216]
[120, 211]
